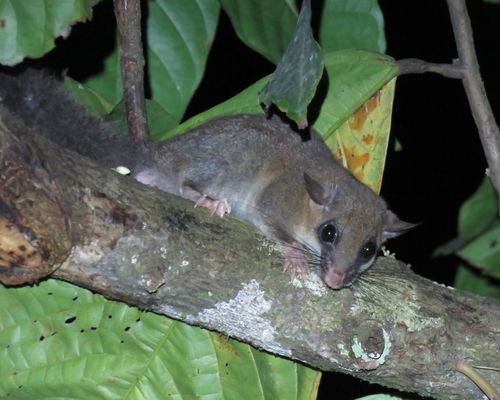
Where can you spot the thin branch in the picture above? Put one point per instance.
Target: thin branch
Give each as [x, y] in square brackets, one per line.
[476, 377]
[466, 68]
[128, 17]
[416, 66]
[474, 88]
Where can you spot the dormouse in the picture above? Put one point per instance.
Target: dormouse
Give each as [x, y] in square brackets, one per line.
[259, 169]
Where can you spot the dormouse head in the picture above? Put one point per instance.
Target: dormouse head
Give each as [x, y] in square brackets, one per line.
[348, 223]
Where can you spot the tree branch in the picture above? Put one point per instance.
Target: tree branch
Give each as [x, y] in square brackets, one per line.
[416, 66]
[474, 87]
[466, 68]
[128, 18]
[155, 251]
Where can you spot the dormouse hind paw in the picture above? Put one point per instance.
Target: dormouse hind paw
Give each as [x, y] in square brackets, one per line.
[217, 207]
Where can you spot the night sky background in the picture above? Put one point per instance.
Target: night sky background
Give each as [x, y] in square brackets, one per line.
[441, 163]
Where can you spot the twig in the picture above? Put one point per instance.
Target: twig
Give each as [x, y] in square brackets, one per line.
[466, 68]
[474, 88]
[416, 66]
[128, 17]
[475, 377]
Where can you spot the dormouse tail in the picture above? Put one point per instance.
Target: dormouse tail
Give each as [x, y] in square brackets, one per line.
[41, 102]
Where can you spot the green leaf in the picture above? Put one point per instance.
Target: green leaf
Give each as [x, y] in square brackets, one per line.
[380, 397]
[293, 83]
[347, 24]
[354, 77]
[87, 96]
[361, 142]
[108, 84]
[484, 251]
[473, 282]
[263, 25]
[159, 120]
[476, 216]
[478, 212]
[478, 240]
[28, 28]
[179, 34]
[61, 341]
[245, 102]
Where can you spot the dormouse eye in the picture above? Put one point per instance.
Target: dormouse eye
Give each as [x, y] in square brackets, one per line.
[368, 250]
[328, 233]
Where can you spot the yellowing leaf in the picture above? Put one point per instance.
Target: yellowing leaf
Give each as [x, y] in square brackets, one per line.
[360, 143]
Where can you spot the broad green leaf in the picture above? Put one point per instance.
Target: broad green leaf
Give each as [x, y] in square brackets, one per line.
[478, 239]
[478, 212]
[245, 102]
[109, 83]
[484, 251]
[476, 216]
[61, 341]
[354, 77]
[28, 28]
[472, 281]
[158, 119]
[293, 83]
[263, 25]
[478, 242]
[87, 96]
[267, 27]
[347, 24]
[361, 142]
[179, 34]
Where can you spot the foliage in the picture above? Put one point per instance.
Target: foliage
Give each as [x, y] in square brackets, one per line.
[29, 28]
[293, 84]
[61, 341]
[478, 242]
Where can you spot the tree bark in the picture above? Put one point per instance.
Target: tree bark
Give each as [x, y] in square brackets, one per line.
[153, 250]
[128, 21]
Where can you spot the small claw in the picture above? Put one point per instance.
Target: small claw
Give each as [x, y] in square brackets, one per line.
[200, 201]
[223, 208]
[218, 207]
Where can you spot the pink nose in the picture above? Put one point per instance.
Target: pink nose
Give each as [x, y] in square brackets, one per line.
[334, 279]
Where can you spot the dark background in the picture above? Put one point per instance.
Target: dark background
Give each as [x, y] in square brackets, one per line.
[441, 162]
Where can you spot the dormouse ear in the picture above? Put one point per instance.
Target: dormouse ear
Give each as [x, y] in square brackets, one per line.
[394, 226]
[320, 193]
